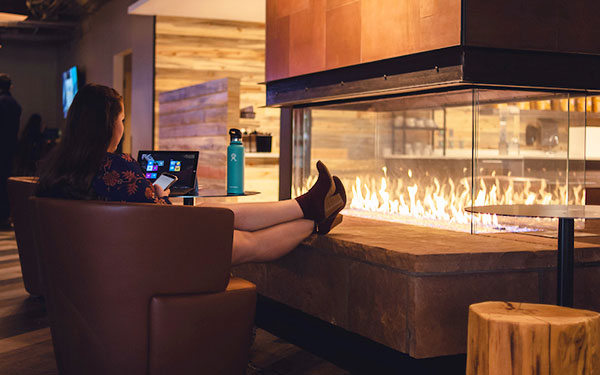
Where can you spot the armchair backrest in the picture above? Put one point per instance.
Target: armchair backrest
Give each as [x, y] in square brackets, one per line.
[19, 191]
[105, 261]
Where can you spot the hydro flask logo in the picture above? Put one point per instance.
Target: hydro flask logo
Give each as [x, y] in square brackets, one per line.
[233, 157]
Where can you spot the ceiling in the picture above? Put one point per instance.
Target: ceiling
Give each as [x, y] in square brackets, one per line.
[52, 10]
[46, 20]
[232, 10]
[56, 21]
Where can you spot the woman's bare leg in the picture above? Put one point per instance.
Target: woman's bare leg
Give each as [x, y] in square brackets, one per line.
[322, 201]
[259, 215]
[270, 243]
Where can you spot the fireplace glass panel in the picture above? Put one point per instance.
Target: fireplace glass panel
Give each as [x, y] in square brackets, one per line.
[529, 149]
[422, 159]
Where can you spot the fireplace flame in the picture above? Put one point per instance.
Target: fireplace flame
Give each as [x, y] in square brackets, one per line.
[431, 202]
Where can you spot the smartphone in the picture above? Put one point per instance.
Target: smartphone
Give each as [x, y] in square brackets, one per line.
[165, 180]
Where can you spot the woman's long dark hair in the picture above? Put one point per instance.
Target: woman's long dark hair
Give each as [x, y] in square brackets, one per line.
[69, 170]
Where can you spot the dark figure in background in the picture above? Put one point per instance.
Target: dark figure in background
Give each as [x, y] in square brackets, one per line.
[31, 148]
[10, 114]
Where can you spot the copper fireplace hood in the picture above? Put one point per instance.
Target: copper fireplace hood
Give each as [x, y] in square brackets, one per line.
[345, 49]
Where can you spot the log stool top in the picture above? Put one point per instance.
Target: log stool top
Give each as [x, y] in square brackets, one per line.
[507, 338]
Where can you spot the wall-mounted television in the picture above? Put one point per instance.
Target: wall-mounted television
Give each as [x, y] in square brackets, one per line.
[70, 85]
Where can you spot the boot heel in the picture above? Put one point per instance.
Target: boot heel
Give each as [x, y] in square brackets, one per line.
[326, 226]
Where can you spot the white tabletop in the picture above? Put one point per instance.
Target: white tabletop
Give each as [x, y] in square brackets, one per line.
[547, 211]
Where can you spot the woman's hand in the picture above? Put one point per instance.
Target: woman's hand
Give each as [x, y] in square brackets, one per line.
[160, 192]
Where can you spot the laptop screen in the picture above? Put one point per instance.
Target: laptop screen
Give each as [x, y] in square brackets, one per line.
[183, 164]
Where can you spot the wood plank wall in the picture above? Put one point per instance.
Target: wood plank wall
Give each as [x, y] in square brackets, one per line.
[306, 36]
[190, 51]
[198, 118]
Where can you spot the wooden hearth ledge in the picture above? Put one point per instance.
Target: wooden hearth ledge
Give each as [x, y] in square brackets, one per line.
[410, 287]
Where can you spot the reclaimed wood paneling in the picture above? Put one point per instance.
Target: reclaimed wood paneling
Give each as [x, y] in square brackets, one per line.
[191, 51]
[198, 118]
[210, 28]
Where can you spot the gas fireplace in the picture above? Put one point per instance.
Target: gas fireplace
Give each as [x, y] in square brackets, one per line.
[423, 158]
[424, 110]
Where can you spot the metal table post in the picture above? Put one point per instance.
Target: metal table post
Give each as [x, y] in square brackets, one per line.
[565, 262]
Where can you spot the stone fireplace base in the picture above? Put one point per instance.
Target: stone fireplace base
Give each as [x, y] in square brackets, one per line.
[410, 287]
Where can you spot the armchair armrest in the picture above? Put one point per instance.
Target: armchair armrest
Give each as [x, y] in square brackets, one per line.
[211, 332]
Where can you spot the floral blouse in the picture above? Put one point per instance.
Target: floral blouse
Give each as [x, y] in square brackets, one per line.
[121, 179]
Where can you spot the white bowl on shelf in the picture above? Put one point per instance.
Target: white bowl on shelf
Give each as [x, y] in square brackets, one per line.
[418, 148]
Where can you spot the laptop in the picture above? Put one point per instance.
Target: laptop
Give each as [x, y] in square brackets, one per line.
[183, 164]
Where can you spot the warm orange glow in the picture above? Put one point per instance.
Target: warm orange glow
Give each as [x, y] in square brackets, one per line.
[12, 17]
[428, 201]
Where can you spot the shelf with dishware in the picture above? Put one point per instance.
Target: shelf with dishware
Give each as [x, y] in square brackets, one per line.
[416, 135]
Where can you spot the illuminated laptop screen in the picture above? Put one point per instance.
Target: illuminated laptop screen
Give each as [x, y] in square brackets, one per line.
[183, 164]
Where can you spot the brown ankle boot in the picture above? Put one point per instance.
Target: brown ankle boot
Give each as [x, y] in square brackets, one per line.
[321, 200]
[335, 218]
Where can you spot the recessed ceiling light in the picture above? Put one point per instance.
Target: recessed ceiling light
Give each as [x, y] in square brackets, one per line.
[12, 17]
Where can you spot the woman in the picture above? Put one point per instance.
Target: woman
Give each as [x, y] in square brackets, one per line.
[84, 166]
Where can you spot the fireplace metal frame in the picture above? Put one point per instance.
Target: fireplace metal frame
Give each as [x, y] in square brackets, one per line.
[442, 70]
[439, 70]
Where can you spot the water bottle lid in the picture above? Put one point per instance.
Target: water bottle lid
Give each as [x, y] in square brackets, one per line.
[235, 134]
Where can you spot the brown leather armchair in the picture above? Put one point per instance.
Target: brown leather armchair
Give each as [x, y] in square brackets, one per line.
[19, 191]
[143, 289]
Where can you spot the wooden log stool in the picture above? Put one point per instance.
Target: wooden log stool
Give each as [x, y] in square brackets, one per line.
[510, 338]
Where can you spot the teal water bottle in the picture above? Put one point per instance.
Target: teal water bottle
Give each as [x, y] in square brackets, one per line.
[235, 163]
